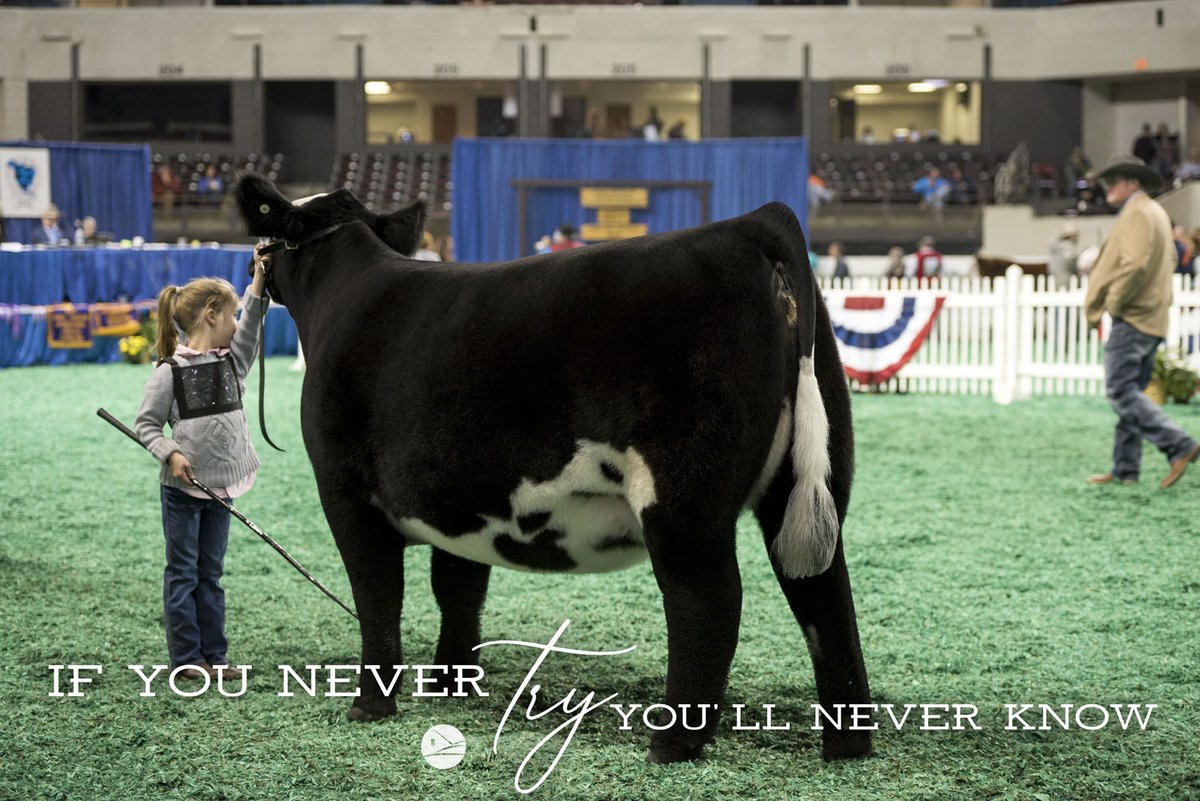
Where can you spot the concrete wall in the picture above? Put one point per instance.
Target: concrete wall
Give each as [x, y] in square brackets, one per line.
[1048, 115]
[597, 42]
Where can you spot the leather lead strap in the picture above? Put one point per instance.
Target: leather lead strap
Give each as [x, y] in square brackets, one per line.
[262, 376]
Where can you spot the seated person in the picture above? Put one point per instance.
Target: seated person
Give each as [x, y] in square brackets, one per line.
[1189, 170]
[932, 188]
[164, 186]
[49, 233]
[210, 183]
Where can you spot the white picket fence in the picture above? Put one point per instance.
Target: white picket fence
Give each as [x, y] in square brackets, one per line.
[1014, 336]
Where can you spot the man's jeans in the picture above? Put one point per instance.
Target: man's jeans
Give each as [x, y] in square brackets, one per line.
[1128, 365]
[196, 532]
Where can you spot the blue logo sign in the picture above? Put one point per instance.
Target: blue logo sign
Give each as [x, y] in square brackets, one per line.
[24, 172]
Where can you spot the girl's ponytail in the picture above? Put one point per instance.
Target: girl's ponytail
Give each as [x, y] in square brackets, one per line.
[167, 338]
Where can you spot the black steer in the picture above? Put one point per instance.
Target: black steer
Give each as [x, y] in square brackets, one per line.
[576, 412]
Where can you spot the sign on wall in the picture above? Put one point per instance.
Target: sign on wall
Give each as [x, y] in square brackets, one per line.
[24, 181]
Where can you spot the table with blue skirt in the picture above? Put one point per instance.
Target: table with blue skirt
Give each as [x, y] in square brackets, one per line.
[32, 279]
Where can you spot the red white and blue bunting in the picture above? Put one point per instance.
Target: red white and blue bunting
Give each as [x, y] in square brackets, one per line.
[878, 334]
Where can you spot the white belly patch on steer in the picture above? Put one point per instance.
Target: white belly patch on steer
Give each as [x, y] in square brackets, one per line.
[587, 519]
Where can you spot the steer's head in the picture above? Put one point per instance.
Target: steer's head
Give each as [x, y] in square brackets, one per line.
[296, 224]
[268, 213]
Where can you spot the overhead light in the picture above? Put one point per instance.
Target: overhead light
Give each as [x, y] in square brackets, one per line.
[377, 88]
[960, 87]
[921, 87]
[867, 88]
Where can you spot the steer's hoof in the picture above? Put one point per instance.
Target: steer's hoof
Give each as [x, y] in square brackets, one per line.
[365, 713]
[666, 754]
[849, 745]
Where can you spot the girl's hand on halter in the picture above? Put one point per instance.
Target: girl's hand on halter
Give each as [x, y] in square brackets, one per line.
[260, 261]
[181, 468]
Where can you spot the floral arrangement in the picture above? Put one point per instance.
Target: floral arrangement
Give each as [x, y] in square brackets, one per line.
[139, 348]
[135, 349]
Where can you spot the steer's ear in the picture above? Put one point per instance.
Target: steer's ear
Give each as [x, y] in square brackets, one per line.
[401, 230]
[266, 212]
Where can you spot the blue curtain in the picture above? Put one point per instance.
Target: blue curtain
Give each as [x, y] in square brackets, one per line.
[23, 340]
[94, 275]
[745, 173]
[108, 182]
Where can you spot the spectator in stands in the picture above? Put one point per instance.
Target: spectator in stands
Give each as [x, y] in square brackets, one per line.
[819, 192]
[1184, 252]
[652, 128]
[1189, 170]
[563, 238]
[164, 186]
[1166, 152]
[210, 183]
[426, 252]
[1064, 256]
[87, 227]
[895, 264]
[1143, 146]
[914, 133]
[933, 189]
[676, 131]
[49, 233]
[1075, 171]
[868, 135]
[591, 128]
[928, 260]
[962, 188]
[1131, 281]
[837, 254]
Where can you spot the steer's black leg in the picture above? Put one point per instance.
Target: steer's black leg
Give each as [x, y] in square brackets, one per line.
[695, 564]
[460, 586]
[824, 607]
[373, 553]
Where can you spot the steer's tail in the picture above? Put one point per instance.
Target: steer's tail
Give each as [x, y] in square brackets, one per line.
[808, 537]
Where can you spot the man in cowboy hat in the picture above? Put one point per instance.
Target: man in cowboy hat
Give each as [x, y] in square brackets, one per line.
[1132, 282]
[49, 233]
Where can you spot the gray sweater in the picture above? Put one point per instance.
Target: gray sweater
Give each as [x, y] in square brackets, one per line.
[218, 445]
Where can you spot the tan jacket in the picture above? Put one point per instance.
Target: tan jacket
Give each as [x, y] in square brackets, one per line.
[1132, 276]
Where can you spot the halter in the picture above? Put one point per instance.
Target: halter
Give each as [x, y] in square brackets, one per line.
[274, 247]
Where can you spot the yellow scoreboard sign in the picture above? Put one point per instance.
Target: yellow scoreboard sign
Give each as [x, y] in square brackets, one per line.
[613, 207]
[592, 197]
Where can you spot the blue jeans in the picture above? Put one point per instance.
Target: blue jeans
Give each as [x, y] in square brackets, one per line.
[1128, 365]
[196, 532]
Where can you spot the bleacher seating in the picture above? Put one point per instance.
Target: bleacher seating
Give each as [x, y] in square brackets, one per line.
[190, 167]
[889, 175]
[385, 181]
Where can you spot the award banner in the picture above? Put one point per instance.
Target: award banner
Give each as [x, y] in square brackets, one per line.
[68, 327]
[24, 181]
[113, 320]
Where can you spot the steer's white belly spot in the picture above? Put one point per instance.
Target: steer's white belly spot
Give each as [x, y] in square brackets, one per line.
[584, 520]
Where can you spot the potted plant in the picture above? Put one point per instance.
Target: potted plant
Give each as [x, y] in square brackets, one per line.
[139, 348]
[1172, 378]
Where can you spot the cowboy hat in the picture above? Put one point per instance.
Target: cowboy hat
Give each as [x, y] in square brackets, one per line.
[1129, 167]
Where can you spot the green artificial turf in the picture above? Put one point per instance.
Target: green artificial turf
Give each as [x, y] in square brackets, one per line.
[985, 572]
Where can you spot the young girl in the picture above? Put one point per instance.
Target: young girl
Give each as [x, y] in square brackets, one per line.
[197, 387]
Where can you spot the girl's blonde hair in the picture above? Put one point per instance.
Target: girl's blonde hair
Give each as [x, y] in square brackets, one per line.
[186, 306]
